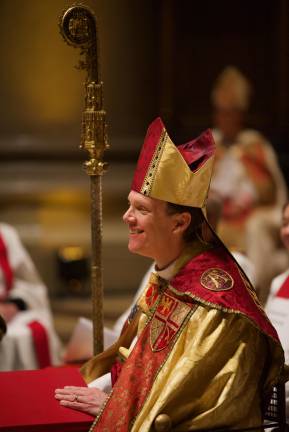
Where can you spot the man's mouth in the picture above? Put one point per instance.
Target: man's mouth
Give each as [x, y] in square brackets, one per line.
[135, 231]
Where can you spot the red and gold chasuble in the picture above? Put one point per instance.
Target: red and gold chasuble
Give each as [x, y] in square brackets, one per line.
[213, 279]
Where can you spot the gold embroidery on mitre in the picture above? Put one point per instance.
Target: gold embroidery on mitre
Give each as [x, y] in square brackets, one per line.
[216, 279]
[152, 169]
[168, 318]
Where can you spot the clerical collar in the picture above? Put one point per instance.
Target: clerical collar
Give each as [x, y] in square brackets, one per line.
[168, 272]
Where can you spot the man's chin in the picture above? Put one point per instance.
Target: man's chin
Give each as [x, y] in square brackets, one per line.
[135, 249]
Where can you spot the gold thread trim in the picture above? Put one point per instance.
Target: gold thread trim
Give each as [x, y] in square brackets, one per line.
[152, 169]
[249, 287]
[100, 412]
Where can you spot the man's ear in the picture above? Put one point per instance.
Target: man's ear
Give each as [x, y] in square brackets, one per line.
[182, 221]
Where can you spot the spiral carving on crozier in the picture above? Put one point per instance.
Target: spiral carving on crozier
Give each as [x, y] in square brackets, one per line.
[77, 26]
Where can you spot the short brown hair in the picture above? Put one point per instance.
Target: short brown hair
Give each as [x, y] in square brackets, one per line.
[197, 219]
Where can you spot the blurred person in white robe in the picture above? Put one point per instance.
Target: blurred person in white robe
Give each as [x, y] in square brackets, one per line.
[248, 179]
[31, 341]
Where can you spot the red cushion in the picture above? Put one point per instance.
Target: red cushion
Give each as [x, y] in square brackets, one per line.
[27, 401]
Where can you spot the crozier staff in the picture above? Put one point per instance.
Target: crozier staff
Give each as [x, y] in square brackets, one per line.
[78, 27]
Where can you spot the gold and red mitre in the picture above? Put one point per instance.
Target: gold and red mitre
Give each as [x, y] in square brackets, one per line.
[180, 175]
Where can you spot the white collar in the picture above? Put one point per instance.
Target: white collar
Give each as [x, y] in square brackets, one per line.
[168, 272]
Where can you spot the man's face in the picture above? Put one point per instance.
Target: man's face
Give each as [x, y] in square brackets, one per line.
[284, 231]
[151, 228]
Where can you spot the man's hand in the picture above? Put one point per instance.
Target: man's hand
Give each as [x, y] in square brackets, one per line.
[8, 311]
[86, 399]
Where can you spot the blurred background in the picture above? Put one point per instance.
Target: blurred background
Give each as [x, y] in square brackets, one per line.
[157, 57]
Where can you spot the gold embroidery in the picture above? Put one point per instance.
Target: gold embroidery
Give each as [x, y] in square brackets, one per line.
[165, 305]
[216, 279]
[252, 292]
[151, 295]
[180, 313]
[152, 169]
[157, 328]
[167, 319]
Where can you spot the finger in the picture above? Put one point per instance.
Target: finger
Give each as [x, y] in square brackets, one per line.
[63, 391]
[74, 405]
[68, 404]
[81, 391]
[72, 390]
[74, 387]
[67, 397]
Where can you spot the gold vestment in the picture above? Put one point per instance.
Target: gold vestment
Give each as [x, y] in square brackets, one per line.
[219, 371]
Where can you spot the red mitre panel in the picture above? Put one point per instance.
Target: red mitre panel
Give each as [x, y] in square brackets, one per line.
[199, 150]
[150, 143]
[237, 299]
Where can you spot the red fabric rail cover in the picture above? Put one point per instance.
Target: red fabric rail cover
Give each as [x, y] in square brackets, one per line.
[41, 343]
[27, 401]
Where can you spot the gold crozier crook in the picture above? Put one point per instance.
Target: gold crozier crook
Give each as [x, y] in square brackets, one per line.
[78, 27]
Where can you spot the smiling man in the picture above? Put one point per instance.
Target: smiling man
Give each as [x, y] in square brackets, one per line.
[197, 351]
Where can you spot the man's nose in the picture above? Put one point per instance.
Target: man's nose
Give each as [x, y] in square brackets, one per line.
[127, 217]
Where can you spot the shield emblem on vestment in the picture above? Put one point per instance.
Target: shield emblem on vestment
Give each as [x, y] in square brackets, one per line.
[168, 318]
